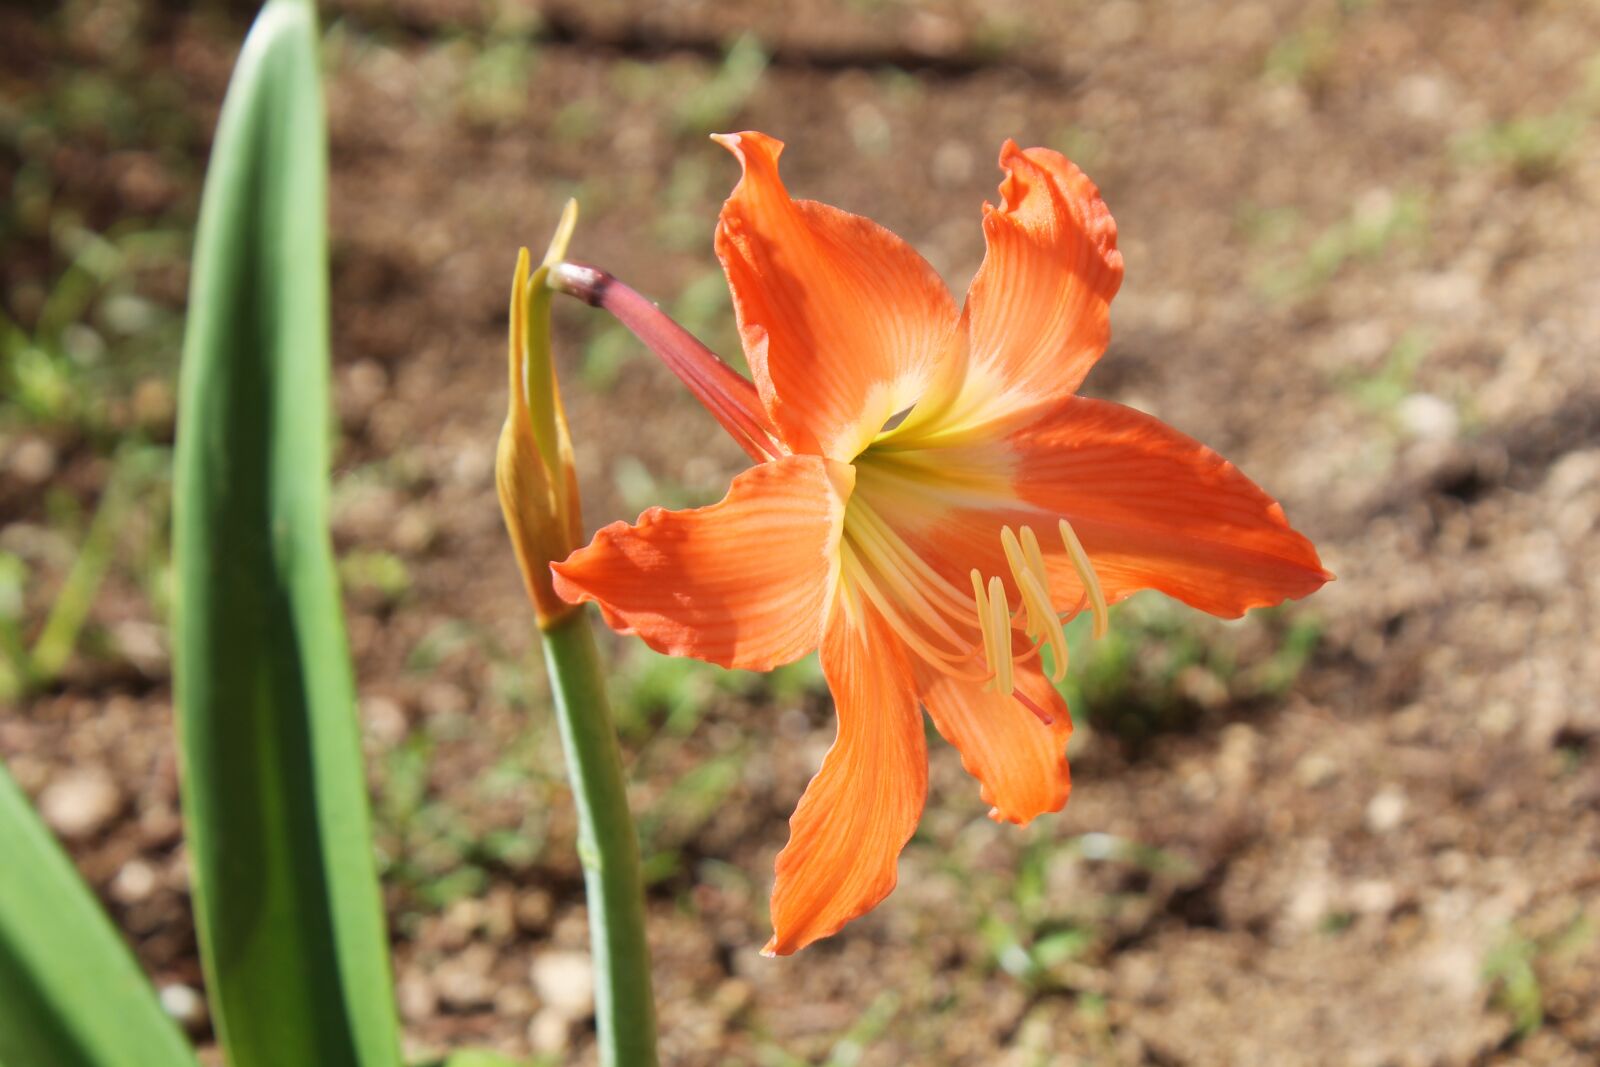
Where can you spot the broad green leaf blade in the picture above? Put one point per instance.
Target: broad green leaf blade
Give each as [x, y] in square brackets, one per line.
[286, 895]
[71, 995]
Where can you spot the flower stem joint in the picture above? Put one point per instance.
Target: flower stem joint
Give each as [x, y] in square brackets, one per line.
[534, 473]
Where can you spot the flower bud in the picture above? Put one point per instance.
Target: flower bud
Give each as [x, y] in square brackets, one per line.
[534, 474]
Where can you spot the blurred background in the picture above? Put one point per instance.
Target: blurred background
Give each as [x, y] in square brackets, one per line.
[1363, 261]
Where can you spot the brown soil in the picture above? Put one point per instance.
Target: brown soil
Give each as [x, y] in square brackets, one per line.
[1363, 261]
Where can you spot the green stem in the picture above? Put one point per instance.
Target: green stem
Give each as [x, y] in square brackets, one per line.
[607, 845]
[59, 637]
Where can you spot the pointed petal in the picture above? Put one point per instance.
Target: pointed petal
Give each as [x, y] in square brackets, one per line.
[862, 807]
[1039, 308]
[744, 583]
[1020, 762]
[1158, 510]
[841, 320]
[1037, 316]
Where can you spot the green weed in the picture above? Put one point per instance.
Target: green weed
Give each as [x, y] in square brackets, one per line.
[655, 692]
[94, 342]
[430, 850]
[712, 105]
[127, 528]
[1371, 230]
[382, 575]
[849, 1048]
[682, 811]
[1534, 148]
[1509, 970]
[494, 89]
[1383, 391]
[1159, 667]
[1304, 57]
[1512, 969]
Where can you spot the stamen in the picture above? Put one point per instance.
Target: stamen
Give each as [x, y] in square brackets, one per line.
[1091, 581]
[936, 584]
[1030, 548]
[861, 577]
[1013, 551]
[877, 548]
[985, 626]
[1033, 582]
[1000, 622]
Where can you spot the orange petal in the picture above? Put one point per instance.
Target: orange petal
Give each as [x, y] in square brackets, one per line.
[1158, 510]
[1020, 762]
[841, 320]
[862, 807]
[1037, 316]
[745, 583]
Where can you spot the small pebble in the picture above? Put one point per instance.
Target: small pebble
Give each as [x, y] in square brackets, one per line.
[32, 461]
[565, 982]
[534, 909]
[1373, 897]
[1315, 770]
[185, 1005]
[463, 983]
[80, 803]
[417, 999]
[547, 1033]
[1386, 810]
[134, 882]
[384, 719]
[1428, 418]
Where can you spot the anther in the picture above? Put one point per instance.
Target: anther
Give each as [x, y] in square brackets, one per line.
[1091, 581]
[981, 603]
[1000, 622]
[1038, 616]
[1033, 583]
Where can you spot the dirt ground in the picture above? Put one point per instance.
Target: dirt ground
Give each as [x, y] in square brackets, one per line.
[1363, 261]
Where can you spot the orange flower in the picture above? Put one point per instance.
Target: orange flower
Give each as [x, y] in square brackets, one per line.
[930, 499]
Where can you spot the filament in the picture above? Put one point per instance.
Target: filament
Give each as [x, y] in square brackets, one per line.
[936, 620]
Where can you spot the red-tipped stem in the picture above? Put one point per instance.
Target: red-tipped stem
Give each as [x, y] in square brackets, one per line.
[726, 393]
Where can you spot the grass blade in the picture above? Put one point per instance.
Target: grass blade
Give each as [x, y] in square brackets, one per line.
[71, 995]
[287, 901]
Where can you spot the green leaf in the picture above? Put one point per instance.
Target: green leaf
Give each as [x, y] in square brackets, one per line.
[71, 995]
[286, 894]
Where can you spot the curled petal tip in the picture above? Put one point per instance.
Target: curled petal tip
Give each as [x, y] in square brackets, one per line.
[752, 147]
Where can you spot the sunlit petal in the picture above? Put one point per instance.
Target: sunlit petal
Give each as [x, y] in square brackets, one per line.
[1155, 509]
[862, 807]
[1020, 762]
[746, 582]
[841, 320]
[1037, 316]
